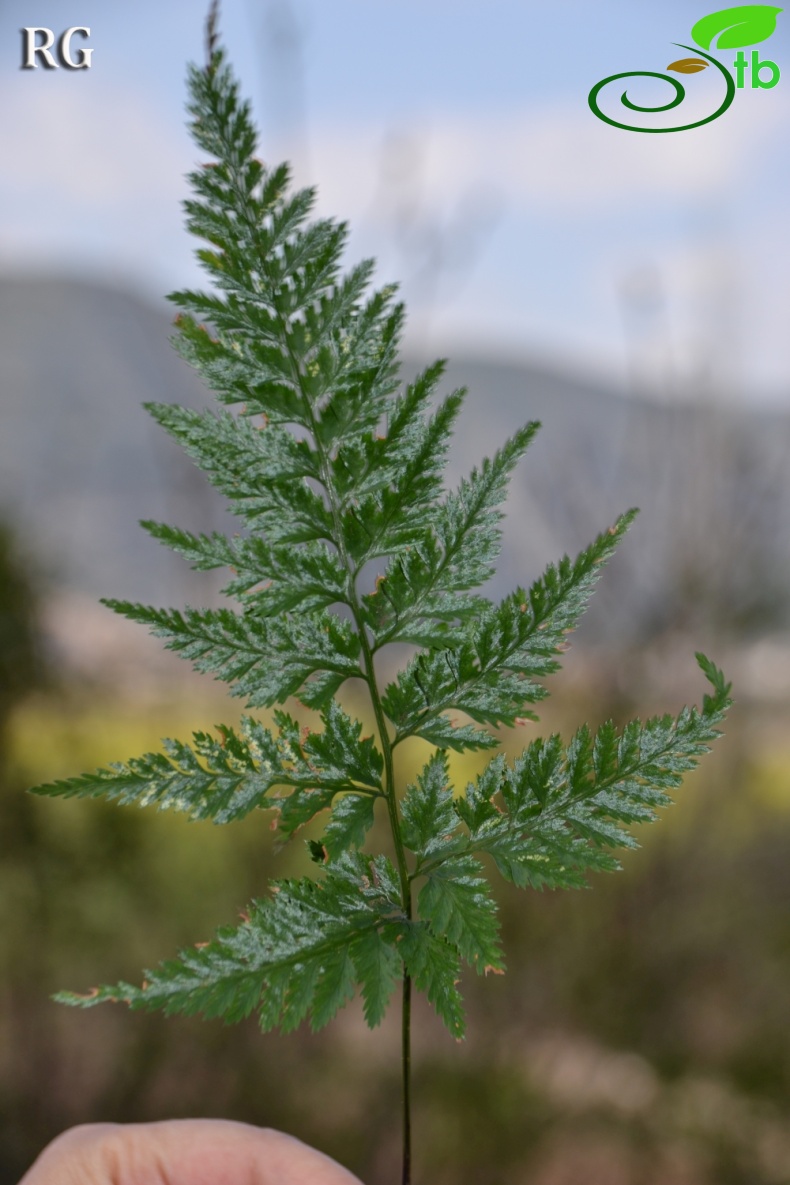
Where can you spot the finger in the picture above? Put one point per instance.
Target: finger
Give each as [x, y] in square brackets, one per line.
[71, 1159]
[183, 1152]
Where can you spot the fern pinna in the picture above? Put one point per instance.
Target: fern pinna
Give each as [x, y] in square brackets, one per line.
[332, 464]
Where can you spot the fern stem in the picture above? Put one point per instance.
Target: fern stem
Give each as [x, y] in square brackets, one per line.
[384, 739]
[406, 1076]
[397, 838]
[405, 883]
[391, 800]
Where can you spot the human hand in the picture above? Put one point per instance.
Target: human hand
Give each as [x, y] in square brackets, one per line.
[182, 1152]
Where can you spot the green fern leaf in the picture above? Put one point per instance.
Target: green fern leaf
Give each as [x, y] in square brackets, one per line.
[225, 779]
[433, 965]
[489, 672]
[456, 902]
[298, 953]
[266, 661]
[565, 808]
[427, 812]
[268, 579]
[334, 467]
[349, 823]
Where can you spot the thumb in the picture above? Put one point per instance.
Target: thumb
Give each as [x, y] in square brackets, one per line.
[182, 1152]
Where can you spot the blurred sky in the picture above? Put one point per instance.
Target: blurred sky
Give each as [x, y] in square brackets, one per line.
[457, 139]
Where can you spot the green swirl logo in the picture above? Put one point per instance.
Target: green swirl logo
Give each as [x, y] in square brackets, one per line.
[730, 28]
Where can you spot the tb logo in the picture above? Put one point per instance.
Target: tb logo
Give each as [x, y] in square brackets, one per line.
[729, 28]
[33, 48]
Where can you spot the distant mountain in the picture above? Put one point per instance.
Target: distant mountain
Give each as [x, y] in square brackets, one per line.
[81, 463]
[80, 460]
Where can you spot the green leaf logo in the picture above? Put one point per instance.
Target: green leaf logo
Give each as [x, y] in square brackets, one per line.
[745, 24]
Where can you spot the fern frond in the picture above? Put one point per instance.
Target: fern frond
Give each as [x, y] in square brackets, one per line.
[224, 779]
[560, 811]
[300, 953]
[269, 579]
[332, 464]
[489, 669]
[265, 661]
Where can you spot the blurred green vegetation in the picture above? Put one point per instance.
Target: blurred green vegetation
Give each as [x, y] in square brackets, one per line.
[640, 1035]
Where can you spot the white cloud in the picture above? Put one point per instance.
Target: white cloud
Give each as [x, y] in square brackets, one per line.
[90, 167]
[92, 178]
[551, 159]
